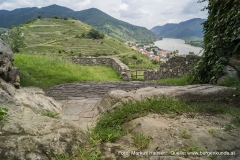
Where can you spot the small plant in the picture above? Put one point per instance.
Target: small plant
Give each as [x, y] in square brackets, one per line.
[134, 57]
[213, 131]
[94, 155]
[236, 120]
[193, 147]
[92, 137]
[49, 114]
[3, 114]
[141, 141]
[61, 156]
[88, 155]
[185, 134]
[228, 128]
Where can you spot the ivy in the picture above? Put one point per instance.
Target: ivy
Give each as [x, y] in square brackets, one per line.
[221, 39]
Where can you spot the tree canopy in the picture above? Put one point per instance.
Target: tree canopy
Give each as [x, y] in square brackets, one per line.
[221, 39]
[95, 34]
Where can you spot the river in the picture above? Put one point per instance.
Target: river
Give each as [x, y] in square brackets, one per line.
[171, 44]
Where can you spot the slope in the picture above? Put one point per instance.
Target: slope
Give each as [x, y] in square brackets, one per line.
[118, 29]
[63, 36]
[190, 28]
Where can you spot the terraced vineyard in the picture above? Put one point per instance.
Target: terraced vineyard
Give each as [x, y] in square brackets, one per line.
[64, 37]
[59, 36]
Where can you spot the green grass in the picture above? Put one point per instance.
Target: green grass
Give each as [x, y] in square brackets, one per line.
[176, 81]
[63, 38]
[49, 114]
[213, 131]
[185, 134]
[110, 125]
[141, 141]
[46, 71]
[231, 82]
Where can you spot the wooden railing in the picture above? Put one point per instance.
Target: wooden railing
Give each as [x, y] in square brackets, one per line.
[137, 74]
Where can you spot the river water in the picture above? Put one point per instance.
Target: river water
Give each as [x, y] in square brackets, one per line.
[171, 44]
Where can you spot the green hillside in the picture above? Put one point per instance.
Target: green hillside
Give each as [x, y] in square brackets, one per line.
[189, 28]
[109, 25]
[63, 37]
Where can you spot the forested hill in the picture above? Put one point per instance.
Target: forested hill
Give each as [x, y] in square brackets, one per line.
[190, 28]
[113, 27]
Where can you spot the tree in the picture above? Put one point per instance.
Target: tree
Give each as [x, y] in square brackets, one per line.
[95, 34]
[221, 39]
[15, 39]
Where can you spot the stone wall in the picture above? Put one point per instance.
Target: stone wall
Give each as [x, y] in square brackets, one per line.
[150, 75]
[115, 63]
[173, 68]
[177, 66]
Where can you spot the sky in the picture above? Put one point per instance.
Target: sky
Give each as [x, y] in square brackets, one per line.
[145, 13]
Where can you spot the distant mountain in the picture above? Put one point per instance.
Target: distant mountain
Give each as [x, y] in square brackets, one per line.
[190, 28]
[115, 28]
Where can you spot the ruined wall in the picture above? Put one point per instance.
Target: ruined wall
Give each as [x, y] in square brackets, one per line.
[173, 68]
[150, 75]
[177, 66]
[115, 63]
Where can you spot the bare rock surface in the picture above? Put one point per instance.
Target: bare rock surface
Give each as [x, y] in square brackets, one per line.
[25, 134]
[181, 137]
[186, 93]
[8, 72]
[35, 99]
[28, 135]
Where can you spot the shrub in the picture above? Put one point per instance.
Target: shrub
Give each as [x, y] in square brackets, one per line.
[95, 34]
[3, 113]
[134, 57]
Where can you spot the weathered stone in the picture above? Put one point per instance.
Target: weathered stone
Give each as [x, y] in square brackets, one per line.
[30, 135]
[35, 99]
[26, 134]
[7, 71]
[7, 87]
[228, 72]
[186, 93]
[150, 75]
[174, 67]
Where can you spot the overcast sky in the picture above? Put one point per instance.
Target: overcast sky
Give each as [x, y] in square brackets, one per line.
[146, 13]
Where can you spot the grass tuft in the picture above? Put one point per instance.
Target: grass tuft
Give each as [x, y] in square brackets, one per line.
[3, 115]
[141, 141]
[49, 114]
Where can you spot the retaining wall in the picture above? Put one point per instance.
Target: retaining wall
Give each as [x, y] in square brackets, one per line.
[115, 63]
[175, 67]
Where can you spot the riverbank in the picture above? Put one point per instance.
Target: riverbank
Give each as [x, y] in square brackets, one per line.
[171, 44]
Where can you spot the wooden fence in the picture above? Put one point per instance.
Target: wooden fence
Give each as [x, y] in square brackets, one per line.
[137, 74]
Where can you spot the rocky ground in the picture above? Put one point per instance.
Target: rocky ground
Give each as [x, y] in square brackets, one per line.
[186, 136]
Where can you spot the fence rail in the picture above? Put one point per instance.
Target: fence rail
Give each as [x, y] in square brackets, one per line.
[138, 74]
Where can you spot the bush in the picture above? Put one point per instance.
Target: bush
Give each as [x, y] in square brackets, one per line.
[95, 34]
[221, 40]
[134, 57]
